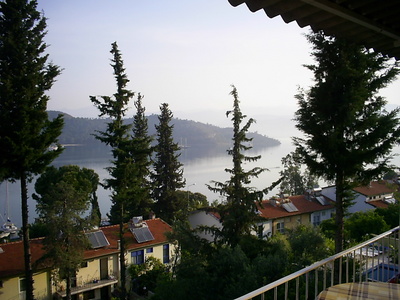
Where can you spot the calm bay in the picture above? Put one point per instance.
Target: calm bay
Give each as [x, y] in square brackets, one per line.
[199, 170]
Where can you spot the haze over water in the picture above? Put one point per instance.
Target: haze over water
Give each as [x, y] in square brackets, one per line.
[197, 172]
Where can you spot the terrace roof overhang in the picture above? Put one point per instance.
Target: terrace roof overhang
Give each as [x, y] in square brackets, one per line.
[372, 23]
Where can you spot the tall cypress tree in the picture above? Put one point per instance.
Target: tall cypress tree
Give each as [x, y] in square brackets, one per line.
[348, 132]
[238, 212]
[25, 130]
[139, 150]
[168, 171]
[117, 137]
[142, 151]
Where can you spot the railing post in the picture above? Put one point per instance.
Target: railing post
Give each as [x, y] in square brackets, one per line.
[286, 289]
[355, 253]
[306, 286]
[354, 266]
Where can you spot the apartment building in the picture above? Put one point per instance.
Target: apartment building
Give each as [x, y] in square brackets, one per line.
[98, 275]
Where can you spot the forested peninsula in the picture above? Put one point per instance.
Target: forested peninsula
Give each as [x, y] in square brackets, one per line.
[187, 133]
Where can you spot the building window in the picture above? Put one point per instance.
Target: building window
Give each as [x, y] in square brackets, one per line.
[316, 220]
[137, 257]
[22, 285]
[323, 213]
[166, 253]
[260, 231]
[280, 227]
[84, 264]
[149, 250]
[1, 284]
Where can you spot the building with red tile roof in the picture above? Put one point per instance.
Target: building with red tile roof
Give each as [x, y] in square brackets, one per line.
[376, 190]
[98, 274]
[288, 212]
[368, 197]
[277, 214]
[205, 217]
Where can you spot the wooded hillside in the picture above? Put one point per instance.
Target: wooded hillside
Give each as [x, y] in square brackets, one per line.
[187, 133]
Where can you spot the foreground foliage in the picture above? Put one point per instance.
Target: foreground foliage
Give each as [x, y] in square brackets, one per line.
[25, 130]
[348, 134]
[63, 197]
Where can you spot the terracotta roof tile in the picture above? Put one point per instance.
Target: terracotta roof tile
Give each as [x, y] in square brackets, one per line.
[374, 188]
[303, 205]
[12, 257]
[378, 203]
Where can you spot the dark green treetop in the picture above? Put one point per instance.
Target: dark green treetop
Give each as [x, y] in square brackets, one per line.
[295, 181]
[239, 211]
[142, 151]
[168, 172]
[63, 197]
[83, 180]
[348, 134]
[25, 130]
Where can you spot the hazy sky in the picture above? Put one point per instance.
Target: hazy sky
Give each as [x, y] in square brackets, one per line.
[186, 53]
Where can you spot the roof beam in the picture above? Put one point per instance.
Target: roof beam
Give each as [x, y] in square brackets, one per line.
[353, 17]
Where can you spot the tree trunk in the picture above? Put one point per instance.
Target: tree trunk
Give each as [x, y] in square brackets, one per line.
[122, 253]
[25, 238]
[68, 287]
[339, 235]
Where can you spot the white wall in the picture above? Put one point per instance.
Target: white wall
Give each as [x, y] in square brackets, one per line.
[359, 200]
[203, 218]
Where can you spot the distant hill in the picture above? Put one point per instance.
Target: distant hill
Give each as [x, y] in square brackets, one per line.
[187, 133]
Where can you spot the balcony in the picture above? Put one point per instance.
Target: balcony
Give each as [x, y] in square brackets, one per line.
[365, 268]
[88, 286]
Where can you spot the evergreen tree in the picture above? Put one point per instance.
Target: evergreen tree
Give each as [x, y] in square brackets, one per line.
[142, 151]
[117, 137]
[64, 195]
[348, 132]
[168, 171]
[293, 181]
[25, 130]
[93, 177]
[239, 211]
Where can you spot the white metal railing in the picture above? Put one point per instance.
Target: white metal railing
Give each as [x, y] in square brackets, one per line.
[374, 260]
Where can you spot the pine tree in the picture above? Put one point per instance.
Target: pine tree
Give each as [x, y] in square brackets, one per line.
[238, 212]
[348, 132]
[25, 130]
[168, 171]
[64, 195]
[117, 137]
[293, 180]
